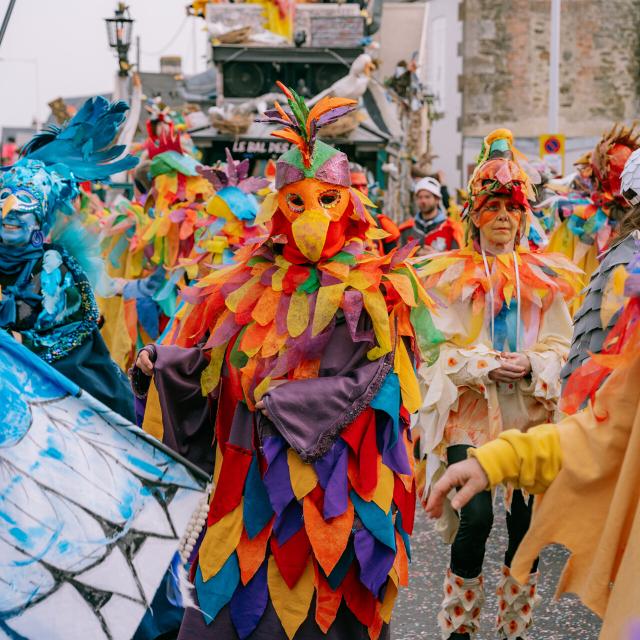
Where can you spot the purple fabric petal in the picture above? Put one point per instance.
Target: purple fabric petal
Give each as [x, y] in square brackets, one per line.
[242, 170]
[216, 177]
[265, 279]
[271, 447]
[177, 215]
[352, 304]
[335, 171]
[334, 114]
[288, 523]
[253, 184]
[223, 333]
[286, 173]
[281, 313]
[393, 455]
[357, 205]
[401, 254]
[249, 603]
[332, 475]
[232, 171]
[375, 560]
[278, 483]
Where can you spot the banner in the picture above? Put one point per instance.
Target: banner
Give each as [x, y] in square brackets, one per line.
[91, 510]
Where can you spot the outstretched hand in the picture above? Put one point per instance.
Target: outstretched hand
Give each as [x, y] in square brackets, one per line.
[513, 366]
[468, 475]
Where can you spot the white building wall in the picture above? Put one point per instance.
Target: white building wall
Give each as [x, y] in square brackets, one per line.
[442, 68]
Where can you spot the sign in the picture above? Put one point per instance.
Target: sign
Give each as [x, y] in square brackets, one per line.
[552, 150]
[260, 147]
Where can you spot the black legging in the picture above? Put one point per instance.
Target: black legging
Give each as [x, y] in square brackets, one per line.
[476, 520]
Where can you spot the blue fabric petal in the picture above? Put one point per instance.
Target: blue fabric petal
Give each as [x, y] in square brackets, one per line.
[148, 316]
[217, 592]
[341, 569]
[379, 523]
[288, 522]
[388, 400]
[249, 603]
[257, 510]
[403, 534]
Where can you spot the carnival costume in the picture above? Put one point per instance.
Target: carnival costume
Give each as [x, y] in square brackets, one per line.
[602, 301]
[513, 302]
[590, 220]
[587, 465]
[46, 295]
[308, 528]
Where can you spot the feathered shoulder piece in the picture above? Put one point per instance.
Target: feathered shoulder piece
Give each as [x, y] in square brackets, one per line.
[461, 276]
[301, 124]
[83, 148]
[277, 317]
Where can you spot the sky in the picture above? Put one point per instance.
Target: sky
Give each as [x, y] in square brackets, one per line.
[57, 48]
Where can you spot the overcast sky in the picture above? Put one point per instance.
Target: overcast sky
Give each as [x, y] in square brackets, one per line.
[56, 48]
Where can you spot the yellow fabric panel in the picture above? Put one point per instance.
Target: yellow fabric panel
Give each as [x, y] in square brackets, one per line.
[528, 460]
[152, 422]
[219, 542]
[291, 605]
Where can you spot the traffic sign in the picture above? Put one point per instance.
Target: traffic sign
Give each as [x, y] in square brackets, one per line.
[552, 149]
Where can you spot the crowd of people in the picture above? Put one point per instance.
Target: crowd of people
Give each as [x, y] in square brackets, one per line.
[330, 368]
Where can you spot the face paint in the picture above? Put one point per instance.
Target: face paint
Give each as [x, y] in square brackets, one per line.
[19, 216]
[498, 220]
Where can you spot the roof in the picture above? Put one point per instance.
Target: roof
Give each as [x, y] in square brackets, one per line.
[372, 132]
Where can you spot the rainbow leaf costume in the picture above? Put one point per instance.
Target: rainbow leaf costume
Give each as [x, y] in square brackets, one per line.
[308, 529]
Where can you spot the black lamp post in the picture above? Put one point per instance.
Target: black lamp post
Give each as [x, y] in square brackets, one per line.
[119, 30]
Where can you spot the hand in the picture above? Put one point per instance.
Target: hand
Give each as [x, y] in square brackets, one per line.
[425, 250]
[468, 475]
[260, 404]
[514, 366]
[17, 336]
[144, 363]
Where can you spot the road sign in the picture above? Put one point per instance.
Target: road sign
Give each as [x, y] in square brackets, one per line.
[552, 148]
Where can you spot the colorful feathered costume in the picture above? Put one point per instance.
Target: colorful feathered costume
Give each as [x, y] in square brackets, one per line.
[308, 528]
[46, 296]
[490, 304]
[590, 220]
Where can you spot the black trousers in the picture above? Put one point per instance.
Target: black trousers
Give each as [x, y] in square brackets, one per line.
[476, 520]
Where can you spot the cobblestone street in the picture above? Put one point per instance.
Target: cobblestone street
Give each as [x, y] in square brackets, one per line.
[417, 607]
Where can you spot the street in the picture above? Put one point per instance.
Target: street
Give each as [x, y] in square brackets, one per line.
[417, 607]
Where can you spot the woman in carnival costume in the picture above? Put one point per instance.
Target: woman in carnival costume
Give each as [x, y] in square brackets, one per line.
[304, 352]
[47, 300]
[507, 328]
[587, 467]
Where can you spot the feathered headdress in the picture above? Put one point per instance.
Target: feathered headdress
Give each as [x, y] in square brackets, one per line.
[610, 155]
[498, 171]
[310, 157]
[56, 160]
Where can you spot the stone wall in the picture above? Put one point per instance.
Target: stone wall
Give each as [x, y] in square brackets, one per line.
[506, 57]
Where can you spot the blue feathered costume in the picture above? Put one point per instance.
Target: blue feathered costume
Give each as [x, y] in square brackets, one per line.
[46, 299]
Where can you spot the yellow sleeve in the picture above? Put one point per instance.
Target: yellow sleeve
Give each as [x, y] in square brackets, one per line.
[528, 460]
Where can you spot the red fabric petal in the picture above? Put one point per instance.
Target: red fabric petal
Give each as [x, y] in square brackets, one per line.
[292, 557]
[228, 491]
[406, 502]
[358, 598]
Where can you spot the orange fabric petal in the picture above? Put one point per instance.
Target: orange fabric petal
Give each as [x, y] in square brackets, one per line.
[327, 601]
[401, 563]
[328, 538]
[265, 311]
[251, 553]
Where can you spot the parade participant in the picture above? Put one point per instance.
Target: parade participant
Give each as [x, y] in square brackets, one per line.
[46, 298]
[360, 182]
[304, 353]
[433, 229]
[507, 327]
[587, 465]
[591, 220]
[599, 311]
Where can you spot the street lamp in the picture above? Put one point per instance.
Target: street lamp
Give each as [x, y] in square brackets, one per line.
[119, 33]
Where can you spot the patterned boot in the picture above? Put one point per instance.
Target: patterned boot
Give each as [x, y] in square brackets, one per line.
[459, 616]
[516, 603]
